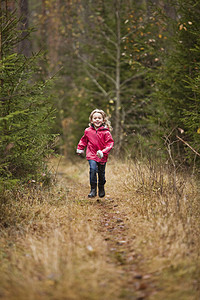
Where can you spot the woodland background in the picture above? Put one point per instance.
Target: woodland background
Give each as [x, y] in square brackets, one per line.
[137, 60]
[140, 62]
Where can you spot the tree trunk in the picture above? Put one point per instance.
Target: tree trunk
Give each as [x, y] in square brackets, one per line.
[25, 46]
[53, 36]
[118, 99]
[10, 5]
[1, 32]
[1, 80]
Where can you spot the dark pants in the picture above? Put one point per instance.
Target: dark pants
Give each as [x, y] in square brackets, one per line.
[95, 168]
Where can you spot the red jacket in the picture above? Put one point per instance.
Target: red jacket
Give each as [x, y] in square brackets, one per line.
[94, 140]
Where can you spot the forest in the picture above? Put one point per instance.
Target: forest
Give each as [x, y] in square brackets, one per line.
[139, 62]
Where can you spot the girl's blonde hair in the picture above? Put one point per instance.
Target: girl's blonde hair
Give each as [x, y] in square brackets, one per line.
[106, 121]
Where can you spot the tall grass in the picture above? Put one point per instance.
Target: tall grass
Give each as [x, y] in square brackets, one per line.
[164, 224]
[52, 246]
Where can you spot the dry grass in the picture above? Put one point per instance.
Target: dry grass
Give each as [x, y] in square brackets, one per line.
[52, 246]
[51, 250]
[164, 226]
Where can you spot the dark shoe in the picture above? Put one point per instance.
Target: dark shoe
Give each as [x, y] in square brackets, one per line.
[101, 191]
[93, 192]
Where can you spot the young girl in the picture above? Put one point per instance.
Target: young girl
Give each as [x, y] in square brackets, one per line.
[98, 140]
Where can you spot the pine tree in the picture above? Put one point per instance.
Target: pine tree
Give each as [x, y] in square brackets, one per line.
[176, 82]
[26, 111]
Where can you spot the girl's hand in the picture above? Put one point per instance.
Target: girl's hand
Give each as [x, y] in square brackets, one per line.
[79, 152]
[100, 154]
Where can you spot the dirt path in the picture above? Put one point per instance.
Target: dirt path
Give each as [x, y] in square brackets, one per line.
[115, 230]
[113, 227]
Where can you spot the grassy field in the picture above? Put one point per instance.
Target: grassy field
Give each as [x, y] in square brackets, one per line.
[141, 241]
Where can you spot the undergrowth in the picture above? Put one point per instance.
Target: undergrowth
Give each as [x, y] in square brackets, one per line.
[51, 247]
[164, 225]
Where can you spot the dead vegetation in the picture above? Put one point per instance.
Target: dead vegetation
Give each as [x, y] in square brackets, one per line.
[140, 242]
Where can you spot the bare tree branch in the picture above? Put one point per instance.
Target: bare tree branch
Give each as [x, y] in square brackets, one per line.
[110, 55]
[178, 137]
[93, 92]
[109, 40]
[109, 29]
[95, 68]
[125, 36]
[133, 77]
[97, 84]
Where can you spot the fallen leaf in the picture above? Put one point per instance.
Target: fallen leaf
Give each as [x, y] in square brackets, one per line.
[147, 276]
[119, 220]
[138, 276]
[90, 248]
[121, 242]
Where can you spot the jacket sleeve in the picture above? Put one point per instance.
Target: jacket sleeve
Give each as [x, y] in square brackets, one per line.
[83, 142]
[109, 143]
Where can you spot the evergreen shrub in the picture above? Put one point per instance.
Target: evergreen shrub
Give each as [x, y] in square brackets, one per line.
[26, 110]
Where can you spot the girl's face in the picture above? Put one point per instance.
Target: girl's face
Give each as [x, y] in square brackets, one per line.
[97, 119]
